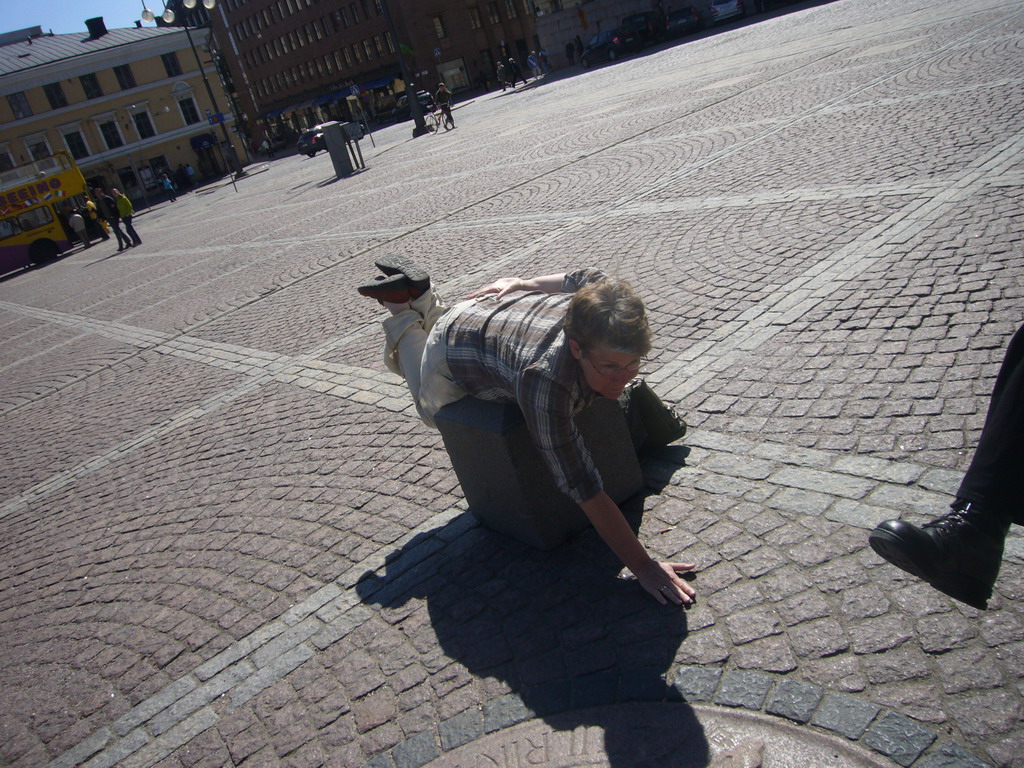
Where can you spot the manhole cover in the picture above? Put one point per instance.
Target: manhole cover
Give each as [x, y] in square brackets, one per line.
[662, 735]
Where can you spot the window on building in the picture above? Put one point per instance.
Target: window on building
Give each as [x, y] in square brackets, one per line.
[379, 45]
[171, 65]
[111, 134]
[378, 7]
[285, 46]
[75, 143]
[355, 13]
[19, 105]
[348, 57]
[189, 113]
[329, 64]
[390, 42]
[368, 49]
[38, 146]
[90, 86]
[510, 8]
[55, 95]
[125, 77]
[439, 29]
[144, 125]
[492, 13]
[357, 55]
[474, 18]
[6, 158]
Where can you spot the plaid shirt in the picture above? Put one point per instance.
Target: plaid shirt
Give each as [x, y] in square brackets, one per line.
[514, 350]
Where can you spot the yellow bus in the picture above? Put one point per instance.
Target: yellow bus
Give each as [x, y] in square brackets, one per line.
[35, 200]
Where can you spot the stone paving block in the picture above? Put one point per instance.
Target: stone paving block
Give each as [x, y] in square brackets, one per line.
[744, 689]
[697, 683]
[949, 755]
[898, 738]
[461, 729]
[141, 713]
[846, 715]
[801, 502]
[823, 482]
[416, 751]
[504, 712]
[803, 457]
[794, 700]
[909, 500]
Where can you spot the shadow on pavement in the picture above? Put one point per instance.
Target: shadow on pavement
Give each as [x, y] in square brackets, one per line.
[557, 627]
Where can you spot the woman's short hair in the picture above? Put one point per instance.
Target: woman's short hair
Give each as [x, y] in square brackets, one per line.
[608, 313]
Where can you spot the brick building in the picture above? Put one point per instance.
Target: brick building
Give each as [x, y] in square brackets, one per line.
[294, 63]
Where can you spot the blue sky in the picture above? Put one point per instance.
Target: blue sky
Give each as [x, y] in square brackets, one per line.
[69, 16]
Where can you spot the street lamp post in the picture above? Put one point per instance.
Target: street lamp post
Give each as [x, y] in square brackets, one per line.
[227, 149]
[415, 112]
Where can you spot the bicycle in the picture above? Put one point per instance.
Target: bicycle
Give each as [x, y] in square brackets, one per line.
[435, 120]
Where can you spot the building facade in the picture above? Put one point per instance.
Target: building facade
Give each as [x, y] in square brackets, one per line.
[295, 63]
[129, 104]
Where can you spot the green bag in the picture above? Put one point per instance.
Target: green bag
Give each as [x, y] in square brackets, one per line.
[652, 423]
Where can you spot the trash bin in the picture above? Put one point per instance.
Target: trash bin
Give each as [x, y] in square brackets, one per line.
[337, 147]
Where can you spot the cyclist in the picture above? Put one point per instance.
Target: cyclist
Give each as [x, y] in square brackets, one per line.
[443, 97]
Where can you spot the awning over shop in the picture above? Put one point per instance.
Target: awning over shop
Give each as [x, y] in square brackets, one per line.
[380, 81]
[203, 141]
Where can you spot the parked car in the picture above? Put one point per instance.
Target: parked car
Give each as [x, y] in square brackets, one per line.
[401, 111]
[725, 9]
[604, 46]
[641, 29]
[312, 141]
[682, 22]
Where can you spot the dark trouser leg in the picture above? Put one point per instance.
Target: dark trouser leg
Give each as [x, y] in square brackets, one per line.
[995, 478]
[116, 226]
[130, 231]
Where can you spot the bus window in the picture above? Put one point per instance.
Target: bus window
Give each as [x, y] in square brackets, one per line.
[9, 227]
[35, 217]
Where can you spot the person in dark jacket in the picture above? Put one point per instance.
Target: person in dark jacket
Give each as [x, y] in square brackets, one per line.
[107, 209]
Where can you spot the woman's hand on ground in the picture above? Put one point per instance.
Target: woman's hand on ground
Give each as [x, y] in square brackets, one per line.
[663, 582]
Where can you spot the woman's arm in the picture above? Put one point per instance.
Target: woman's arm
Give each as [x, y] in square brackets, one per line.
[660, 579]
[506, 285]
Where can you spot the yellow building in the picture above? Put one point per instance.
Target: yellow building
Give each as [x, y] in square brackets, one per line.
[129, 104]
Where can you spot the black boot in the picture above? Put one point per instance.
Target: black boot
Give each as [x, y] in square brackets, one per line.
[959, 553]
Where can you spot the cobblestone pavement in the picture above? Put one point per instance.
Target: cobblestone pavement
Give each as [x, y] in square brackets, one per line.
[226, 539]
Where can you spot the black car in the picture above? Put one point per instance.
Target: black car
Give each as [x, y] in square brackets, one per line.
[312, 141]
[641, 29]
[401, 111]
[682, 22]
[605, 46]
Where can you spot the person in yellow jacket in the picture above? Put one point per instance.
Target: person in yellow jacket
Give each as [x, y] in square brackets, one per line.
[126, 210]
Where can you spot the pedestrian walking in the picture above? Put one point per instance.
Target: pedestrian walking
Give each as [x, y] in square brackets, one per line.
[77, 222]
[126, 210]
[168, 185]
[499, 72]
[108, 212]
[961, 552]
[570, 52]
[191, 172]
[515, 73]
[542, 56]
[95, 226]
[533, 63]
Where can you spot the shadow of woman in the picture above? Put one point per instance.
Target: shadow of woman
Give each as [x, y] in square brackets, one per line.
[558, 629]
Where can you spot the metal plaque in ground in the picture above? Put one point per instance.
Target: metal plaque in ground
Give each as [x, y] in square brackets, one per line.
[650, 734]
